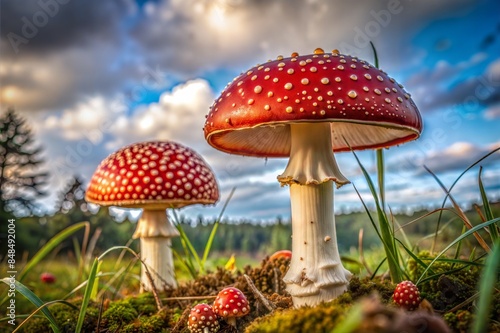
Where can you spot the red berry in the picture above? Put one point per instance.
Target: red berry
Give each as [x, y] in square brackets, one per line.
[47, 278]
[406, 295]
[202, 319]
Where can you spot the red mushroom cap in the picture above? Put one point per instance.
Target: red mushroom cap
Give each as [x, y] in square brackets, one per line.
[203, 319]
[158, 174]
[287, 254]
[365, 106]
[406, 295]
[231, 303]
[48, 278]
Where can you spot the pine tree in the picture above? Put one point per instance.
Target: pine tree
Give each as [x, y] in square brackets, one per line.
[21, 178]
[73, 197]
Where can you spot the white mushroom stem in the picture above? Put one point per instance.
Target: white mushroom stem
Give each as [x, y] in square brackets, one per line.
[155, 232]
[316, 273]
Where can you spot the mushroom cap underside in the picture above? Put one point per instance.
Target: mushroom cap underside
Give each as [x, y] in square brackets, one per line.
[366, 108]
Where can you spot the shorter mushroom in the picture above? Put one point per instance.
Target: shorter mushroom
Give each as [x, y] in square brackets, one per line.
[203, 319]
[230, 304]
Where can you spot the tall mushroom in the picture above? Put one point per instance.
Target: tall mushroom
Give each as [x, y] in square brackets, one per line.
[306, 107]
[154, 176]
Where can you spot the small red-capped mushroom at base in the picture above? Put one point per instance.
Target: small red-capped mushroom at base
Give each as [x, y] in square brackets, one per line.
[407, 295]
[47, 277]
[230, 304]
[287, 254]
[202, 319]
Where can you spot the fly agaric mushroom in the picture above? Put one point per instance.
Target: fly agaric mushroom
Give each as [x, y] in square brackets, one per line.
[306, 107]
[230, 304]
[287, 254]
[202, 319]
[154, 176]
[406, 295]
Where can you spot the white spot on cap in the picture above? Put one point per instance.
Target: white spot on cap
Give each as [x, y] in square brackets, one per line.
[325, 80]
[289, 109]
[290, 71]
[304, 81]
[288, 86]
[353, 77]
[257, 89]
[352, 94]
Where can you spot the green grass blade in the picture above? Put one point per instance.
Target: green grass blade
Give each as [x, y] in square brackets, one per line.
[375, 55]
[30, 296]
[188, 265]
[211, 238]
[385, 230]
[458, 239]
[487, 284]
[381, 177]
[51, 244]
[487, 208]
[453, 185]
[86, 295]
[411, 254]
[116, 248]
[33, 314]
[368, 213]
[459, 210]
[377, 268]
[185, 239]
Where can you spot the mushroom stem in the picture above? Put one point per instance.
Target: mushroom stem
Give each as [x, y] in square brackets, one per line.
[231, 321]
[316, 273]
[155, 232]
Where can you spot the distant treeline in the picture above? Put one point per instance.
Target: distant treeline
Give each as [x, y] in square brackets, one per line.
[232, 236]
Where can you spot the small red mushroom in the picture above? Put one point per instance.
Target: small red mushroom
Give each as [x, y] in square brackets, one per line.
[154, 176]
[406, 295]
[48, 278]
[230, 304]
[203, 319]
[281, 254]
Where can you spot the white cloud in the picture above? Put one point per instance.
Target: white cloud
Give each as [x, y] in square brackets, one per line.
[87, 119]
[179, 115]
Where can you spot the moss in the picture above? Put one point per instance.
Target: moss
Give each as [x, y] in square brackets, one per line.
[144, 304]
[66, 318]
[366, 286]
[321, 318]
[118, 315]
[460, 321]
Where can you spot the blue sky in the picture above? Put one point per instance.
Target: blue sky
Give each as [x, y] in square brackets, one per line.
[93, 76]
